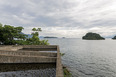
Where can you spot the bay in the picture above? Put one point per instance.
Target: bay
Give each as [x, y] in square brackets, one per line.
[88, 58]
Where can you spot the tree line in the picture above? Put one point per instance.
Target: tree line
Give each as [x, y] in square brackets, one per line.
[10, 35]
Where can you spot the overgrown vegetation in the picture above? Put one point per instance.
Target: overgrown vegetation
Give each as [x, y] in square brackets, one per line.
[10, 35]
[35, 38]
[62, 54]
[66, 72]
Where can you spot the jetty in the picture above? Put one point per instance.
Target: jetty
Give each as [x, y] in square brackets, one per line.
[37, 56]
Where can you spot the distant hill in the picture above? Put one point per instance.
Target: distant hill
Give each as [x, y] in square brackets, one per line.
[92, 36]
[29, 36]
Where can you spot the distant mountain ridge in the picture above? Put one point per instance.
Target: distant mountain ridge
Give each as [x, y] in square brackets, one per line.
[29, 36]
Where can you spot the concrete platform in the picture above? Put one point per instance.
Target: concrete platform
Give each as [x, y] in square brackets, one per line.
[32, 54]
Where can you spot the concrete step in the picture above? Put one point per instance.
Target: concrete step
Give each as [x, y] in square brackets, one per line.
[26, 59]
[10, 47]
[40, 47]
[29, 53]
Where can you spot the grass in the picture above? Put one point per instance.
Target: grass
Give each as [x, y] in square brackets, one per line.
[66, 72]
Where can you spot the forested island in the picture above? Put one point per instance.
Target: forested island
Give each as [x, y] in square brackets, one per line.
[114, 38]
[92, 36]
[50, 37]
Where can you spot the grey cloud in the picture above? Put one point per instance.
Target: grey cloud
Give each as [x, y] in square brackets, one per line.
[84, 15]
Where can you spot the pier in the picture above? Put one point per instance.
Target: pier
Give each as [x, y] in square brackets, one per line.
[35, 56]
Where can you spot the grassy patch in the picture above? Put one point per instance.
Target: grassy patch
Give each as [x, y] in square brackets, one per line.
[66, 72]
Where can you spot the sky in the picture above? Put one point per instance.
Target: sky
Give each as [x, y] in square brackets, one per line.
[61, 18]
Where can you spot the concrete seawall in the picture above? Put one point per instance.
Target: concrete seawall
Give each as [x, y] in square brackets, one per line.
[59, 67]
[32, 54]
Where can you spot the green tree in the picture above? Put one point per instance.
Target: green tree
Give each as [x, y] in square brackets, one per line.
[9, 35]
[35, 38]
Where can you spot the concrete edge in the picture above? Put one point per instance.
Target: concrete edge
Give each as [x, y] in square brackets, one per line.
[59, 68]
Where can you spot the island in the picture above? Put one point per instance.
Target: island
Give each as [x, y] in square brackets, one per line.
[92, 36]
[114, 38]
[50, 37]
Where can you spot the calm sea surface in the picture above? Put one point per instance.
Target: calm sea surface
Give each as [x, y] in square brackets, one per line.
[88, 58]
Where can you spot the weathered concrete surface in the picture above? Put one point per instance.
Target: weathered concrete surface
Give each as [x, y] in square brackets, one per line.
[28, 53]
[59, 69]
[31, 54]
[10, 54]
[26, 59]
[10, 47]
[29, 47]
[40, 47]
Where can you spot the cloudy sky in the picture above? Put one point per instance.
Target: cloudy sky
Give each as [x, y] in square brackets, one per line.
[61, 18]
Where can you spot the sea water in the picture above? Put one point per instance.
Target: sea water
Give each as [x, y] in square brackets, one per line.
[88, 58]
